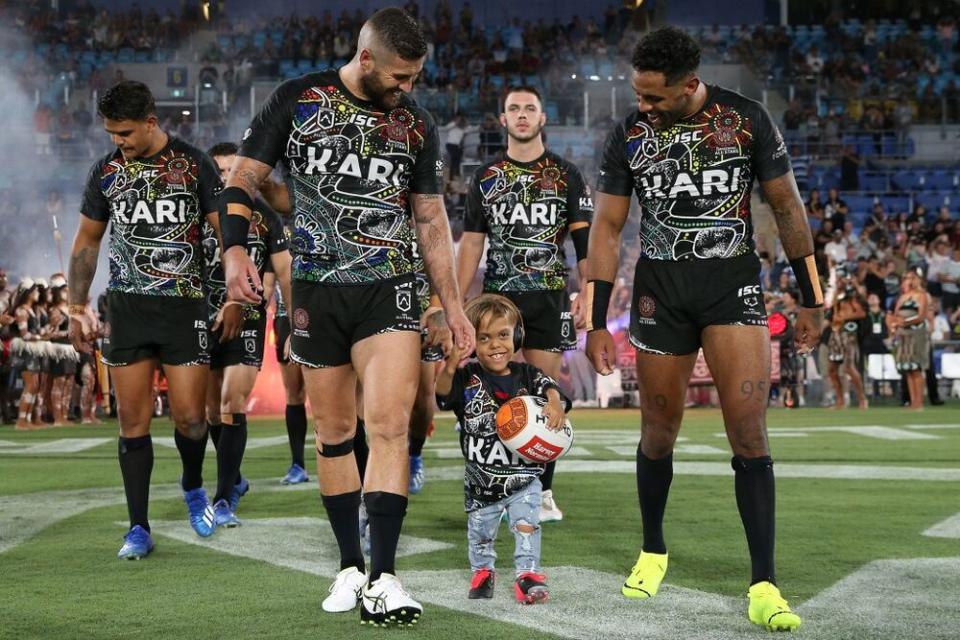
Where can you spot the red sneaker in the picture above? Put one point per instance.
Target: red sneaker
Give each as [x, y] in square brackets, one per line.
[481, 586]
[531, 588]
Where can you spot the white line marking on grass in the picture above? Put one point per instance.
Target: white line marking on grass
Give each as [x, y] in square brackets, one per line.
[868, 431]
[10, 443]
[933, 426]
[305, 544]
[692, 449]
[63, 445]
[949, 528]
[908, 598]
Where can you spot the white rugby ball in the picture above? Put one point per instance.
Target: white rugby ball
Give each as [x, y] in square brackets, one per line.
[522, 428]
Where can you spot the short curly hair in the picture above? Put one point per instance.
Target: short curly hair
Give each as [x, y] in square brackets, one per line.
[399, 32]
[667, 50]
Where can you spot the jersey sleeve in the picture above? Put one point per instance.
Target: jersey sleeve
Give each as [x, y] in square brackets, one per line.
[277, 242]
[474, 218]
[579, 200]
[770, 159]
[615, 177]
[541, 382]
[95, 205]
[266, 138]
[209, 185]
[428, 168]
[453, 401]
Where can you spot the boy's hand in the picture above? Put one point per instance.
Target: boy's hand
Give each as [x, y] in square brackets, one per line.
[454, 356]
[555, 415]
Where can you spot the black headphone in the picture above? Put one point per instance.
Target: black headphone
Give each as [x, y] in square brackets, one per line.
[518, 334]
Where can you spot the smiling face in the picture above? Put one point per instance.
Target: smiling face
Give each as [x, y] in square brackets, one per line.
[495, 343]
[385, 76]
[662, 103]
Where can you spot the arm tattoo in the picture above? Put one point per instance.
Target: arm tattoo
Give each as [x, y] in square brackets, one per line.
[83, 266]
[791, 216]
[436, 244]
[249, 181]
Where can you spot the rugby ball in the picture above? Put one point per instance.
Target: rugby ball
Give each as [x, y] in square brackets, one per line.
[522, 428]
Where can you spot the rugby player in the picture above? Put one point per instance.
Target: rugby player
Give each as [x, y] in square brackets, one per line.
[235, 360]
[360, 156]
[527, 203]
[154, 191]
[691, 152]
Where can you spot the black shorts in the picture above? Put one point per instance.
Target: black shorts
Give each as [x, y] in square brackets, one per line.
[674, 301]
[281, 331]
[246, 349]
[170, 328]
[326, 321]
[547, 321]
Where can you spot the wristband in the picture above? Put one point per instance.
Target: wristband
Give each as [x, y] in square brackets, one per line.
[808, 281]
[581, 239]
[598, 299]
[76, 309]
[236, 207]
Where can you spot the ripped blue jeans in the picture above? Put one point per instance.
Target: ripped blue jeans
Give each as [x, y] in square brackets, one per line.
[523, 508]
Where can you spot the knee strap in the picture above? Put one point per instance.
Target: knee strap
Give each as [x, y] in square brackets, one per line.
[747, 465]
[335, 450]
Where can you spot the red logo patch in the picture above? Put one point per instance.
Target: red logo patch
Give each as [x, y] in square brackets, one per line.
[301, 320]
[541, 450]
[646, 306]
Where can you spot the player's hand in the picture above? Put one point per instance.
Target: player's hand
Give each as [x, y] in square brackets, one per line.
[454, 356]
[229, 320]
[83, 330]
[240, 274]
[555, 415]
[807, 329]
[601, 351]
[462, 331]
[579, 311]
[438, 333]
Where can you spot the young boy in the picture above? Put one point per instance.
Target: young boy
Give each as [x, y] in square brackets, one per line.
[496, 479]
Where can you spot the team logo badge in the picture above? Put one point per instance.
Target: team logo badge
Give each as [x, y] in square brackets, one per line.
[202, 339]
[549, 177]
[325, 118]
[650, 147]
[646, 306]
[250, 345]
[176, 170]
[404, 300]
[301, 320]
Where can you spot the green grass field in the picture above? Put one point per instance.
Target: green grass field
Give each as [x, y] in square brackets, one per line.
[856, 492]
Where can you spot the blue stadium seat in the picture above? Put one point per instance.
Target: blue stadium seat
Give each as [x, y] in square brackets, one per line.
[932, 201]
[895, 202]
[908, 180]
[873, 182]
[858, 204]
[942, 180]
[553, 113]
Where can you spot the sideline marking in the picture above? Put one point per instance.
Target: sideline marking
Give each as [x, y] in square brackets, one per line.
[949, 528]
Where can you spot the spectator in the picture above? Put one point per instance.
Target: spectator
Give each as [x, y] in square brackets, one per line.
[850, 169]
[835, 209]
[950, 282]
[457, 130]
[938, 259]
[801, 167]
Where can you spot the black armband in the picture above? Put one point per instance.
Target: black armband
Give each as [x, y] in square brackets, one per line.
[581, 238]
[598, 299]
[805, 271]
[236, 207]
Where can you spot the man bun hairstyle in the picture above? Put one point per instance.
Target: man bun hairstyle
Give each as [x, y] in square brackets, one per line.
[398, 31]
[127, 100]
[669, 51]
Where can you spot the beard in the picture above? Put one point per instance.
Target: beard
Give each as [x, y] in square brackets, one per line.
[378, 94]
[532, 133]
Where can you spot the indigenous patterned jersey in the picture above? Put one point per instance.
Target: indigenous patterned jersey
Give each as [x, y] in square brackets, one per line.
[525, 209]
[492, 471]
[420, 270]
[693, 180]
[264, 239]
[352, 168]
[155, 207]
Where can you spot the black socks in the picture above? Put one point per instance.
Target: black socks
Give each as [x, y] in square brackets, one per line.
[191, 454]
[296, 416]
[756, 501]
[136, 465]
[386, 512]
[653, 486]
[343, 511]
[233, 442]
